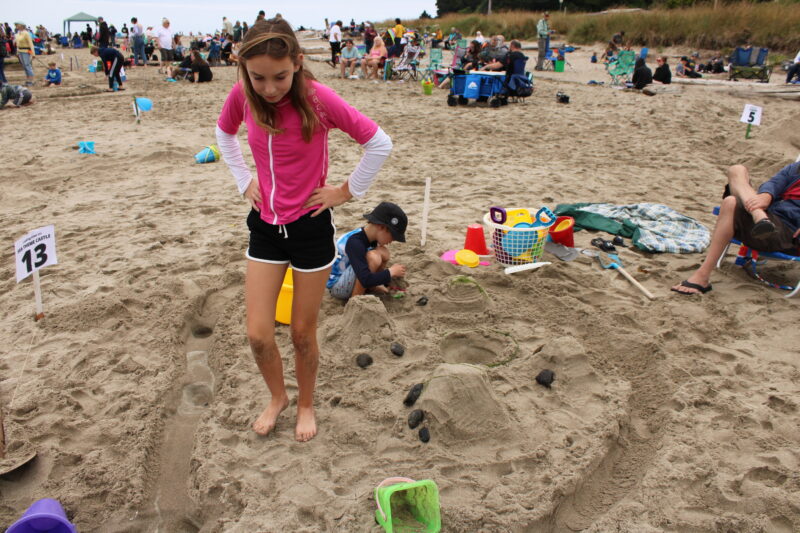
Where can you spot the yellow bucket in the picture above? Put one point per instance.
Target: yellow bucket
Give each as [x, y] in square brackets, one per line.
[283, 309]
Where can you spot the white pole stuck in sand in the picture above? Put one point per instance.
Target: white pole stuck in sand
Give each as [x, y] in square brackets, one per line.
[425, 207]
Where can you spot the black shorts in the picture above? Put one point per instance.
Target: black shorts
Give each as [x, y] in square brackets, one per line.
[307, 244]
[167, 54]
[778, 241]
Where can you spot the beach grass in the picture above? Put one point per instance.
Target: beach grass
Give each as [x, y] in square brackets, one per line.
[773, 25]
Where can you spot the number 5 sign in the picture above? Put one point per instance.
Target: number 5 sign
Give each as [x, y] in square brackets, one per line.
[751, 115]
[35, 250]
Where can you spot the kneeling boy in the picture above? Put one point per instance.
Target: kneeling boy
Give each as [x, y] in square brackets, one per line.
[363, 254]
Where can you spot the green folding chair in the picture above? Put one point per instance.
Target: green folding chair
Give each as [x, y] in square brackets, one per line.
[621, 70]
[434, 63]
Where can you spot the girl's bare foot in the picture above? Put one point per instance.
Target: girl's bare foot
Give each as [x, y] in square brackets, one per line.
[306, 424]
[266, 421]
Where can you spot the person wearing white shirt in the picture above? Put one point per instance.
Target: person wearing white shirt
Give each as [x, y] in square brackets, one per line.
[335, 38]
[794, 70]
[227, 27]
[164, 37]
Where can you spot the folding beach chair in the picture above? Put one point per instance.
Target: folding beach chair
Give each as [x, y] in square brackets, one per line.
[434, 63]
[518, 82]
[750, 259]
[749, 64]
[406, 66]
[621, 70]
[643, 53]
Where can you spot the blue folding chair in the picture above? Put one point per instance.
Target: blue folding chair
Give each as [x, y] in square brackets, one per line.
[750, 258]
[643, 53]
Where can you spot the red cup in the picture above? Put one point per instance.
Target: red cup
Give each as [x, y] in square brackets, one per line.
[561, 231]
[476, 240]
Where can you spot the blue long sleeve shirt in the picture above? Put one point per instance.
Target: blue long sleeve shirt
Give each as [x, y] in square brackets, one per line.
[784, 187]
[53, 75]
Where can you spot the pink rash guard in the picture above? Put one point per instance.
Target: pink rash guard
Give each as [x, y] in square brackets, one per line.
[289, 169]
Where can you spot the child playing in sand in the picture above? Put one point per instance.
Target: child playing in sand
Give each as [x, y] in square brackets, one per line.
[53, 75]
[363, 254]
[17, 95]
[288, 115]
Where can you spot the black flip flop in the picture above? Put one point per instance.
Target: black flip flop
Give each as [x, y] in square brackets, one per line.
[690, 285]
[763, 227]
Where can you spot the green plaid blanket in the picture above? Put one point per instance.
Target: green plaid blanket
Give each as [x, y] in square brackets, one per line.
[651, 227]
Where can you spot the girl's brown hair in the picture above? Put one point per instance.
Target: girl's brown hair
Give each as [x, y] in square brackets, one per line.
[275, 38]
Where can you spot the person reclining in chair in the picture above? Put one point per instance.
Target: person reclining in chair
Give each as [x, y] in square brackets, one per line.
[766, 221]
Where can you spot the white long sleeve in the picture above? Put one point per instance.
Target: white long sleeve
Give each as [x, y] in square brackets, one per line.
[232, 155]
[376, 150]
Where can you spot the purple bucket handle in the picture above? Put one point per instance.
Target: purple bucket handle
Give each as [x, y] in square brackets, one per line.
[43, 516]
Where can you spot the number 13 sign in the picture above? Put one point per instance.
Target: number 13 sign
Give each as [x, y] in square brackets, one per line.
[35, 250]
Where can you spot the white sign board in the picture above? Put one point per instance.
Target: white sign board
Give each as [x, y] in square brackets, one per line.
[751, 115]
[35, 250]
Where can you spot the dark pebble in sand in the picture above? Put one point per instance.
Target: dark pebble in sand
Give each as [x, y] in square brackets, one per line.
[546, 378]
[422, 301]
[364, 360]
[398, 349]
[424, 435]
[412, 395]
[415, 418]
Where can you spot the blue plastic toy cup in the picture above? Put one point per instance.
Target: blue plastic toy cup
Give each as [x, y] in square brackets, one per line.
[44, 516]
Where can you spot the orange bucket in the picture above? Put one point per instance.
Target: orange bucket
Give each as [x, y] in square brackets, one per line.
[561, 231]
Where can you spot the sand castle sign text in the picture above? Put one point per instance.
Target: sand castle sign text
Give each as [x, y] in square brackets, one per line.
[35, 250]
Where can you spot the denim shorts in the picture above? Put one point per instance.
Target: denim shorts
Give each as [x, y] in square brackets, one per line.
[343, 288]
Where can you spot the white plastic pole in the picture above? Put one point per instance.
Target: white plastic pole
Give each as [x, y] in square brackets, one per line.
[37, 294]
[425, 207]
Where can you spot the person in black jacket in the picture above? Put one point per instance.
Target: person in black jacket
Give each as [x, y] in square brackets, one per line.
[642, 75]
[662, 74]
[104, 37]
[201, 71]
[112, 63]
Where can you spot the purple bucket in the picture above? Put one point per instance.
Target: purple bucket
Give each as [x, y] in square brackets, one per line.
[44, 516]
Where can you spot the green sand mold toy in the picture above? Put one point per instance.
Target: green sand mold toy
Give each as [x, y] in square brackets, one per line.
[408, 506]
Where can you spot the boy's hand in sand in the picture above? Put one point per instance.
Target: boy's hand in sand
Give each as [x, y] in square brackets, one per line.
[253, 193]
[328, 196]
[397, 271]
[759, 201]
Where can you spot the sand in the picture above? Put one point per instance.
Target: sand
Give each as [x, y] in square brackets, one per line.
[137, 390]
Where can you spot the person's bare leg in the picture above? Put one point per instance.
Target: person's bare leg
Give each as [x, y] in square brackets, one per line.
[721, 236]
[308, 290]
[262, 286]
[739, 181]
[342, 66]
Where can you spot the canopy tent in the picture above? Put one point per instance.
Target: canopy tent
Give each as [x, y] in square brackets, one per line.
[78, 17]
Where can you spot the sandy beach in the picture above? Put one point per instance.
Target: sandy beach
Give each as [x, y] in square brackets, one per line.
[138, 389]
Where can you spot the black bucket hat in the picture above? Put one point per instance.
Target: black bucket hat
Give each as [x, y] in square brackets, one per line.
[391, 216]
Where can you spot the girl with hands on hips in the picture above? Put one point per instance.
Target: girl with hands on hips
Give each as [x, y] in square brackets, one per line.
[288, 115]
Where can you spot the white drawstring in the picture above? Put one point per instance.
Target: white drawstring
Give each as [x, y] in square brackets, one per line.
[282, 229]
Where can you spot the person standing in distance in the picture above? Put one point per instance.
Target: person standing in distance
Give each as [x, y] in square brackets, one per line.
[543, 31]
[164, 38]
[335, 39]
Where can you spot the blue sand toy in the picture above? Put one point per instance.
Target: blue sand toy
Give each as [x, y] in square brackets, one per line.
[86, 147]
